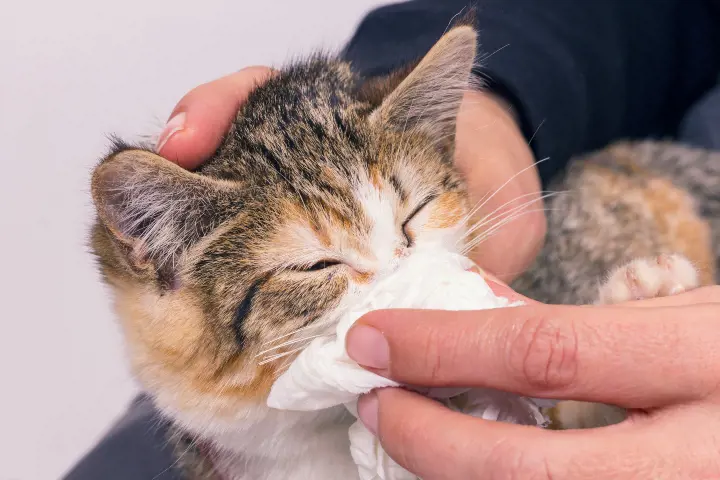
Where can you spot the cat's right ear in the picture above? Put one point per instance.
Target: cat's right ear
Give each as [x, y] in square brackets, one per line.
[156, 208]
[428, 99]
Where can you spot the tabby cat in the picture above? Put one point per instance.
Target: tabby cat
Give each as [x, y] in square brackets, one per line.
[323, 183]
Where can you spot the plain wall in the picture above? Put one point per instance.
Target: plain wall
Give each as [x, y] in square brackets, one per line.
[72, 72]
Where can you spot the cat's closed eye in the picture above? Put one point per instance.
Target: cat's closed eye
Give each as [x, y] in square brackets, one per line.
[321, 265]
[413, 214]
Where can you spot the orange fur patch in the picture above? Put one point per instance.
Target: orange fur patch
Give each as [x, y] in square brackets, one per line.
[678, 227]
[447, 211]
[171, 346]
[677, 220]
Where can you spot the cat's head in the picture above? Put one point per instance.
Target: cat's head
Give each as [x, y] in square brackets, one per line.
[319, 189]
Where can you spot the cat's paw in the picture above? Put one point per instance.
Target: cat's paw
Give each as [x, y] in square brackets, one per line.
[660, 276]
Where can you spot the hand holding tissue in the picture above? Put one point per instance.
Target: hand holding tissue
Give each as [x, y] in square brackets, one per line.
[323, 376]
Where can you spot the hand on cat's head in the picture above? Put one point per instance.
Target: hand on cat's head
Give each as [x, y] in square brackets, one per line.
[490, 151]
[200, 119]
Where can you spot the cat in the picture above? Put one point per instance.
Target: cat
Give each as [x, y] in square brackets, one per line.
[324, 182]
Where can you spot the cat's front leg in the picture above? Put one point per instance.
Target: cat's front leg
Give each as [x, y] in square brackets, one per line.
[642, 278]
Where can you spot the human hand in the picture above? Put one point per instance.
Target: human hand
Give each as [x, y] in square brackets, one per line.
[200, 119]
[657, 357]
[491, 152]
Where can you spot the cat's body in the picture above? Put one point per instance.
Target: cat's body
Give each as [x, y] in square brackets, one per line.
[323, 185]
[624, 202]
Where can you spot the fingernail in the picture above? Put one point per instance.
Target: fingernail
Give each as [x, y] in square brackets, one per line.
[368, 347]
[174, 125]
[367, 408]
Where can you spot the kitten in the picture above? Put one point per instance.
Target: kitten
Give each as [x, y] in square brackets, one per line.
[323, 183]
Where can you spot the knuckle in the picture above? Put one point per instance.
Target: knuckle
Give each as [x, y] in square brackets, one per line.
[544, 353]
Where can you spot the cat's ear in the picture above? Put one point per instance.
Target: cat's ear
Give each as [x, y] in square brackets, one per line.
[428, 99]
[156, 208]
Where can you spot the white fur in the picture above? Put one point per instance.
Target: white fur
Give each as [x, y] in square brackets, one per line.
[386, 236]
[649, 278]
[262, 443]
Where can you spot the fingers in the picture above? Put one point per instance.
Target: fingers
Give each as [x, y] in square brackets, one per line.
[436, 443]
[693, 297]
[203, 116]
[614, 354]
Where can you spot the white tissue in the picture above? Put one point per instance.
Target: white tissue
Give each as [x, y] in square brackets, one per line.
[323, 375]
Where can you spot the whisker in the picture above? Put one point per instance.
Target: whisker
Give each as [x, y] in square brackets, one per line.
[312, 325]
[512, 178]
[493, 215]
[472, 212]
[485, 57]
[500, 223]
[536, 132]
[272, 358]
[289, 342]
[494, 229]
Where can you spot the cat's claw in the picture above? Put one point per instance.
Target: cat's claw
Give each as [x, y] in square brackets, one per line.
[661, 276]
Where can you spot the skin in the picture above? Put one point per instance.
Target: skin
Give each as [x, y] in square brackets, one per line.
[657, 357]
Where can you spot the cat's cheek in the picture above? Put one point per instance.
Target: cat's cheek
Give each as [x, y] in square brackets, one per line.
[442, 224]
[447, 211]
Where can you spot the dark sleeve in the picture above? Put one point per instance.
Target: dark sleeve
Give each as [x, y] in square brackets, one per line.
[579, 73]
[136, 448]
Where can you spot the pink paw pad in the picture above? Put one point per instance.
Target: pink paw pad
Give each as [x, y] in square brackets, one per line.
[661, 276]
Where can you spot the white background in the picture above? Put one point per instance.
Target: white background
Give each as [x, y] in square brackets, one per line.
[71, 72]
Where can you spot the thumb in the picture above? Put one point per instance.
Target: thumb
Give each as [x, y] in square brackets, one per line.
[201, 118]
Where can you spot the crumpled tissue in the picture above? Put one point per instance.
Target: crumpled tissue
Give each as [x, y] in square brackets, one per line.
[323, 376]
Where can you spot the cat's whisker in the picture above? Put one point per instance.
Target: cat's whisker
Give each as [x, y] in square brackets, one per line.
[536, 132]
[289, 342]
[301, 329]
[499, 223]
[488, 196]
[492, 216]
[272, 358]
[486, 56]
[494, 229]
[496, 217]
[180, 456]
[497, 190]
[474, 210]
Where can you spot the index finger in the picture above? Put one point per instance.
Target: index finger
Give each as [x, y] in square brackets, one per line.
[618, 355]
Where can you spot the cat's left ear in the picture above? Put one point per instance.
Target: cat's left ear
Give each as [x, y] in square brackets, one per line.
[429, 98]
[156, 208]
